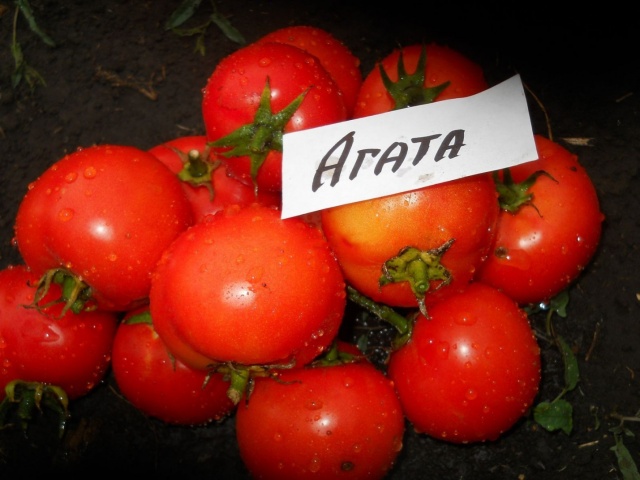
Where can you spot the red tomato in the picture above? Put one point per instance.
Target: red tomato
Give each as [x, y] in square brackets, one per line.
[206, 182]
[160, 385]
[542, 247]
[247, 287]
[334, 56]
[342, 421]
[250, 90]
[71, 351]
[443, 64]
[471, 371]
[104, 214]
[365, 235]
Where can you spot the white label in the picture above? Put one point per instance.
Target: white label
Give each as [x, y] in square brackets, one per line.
[406, 149]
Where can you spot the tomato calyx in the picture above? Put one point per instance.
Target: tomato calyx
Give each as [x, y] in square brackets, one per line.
[419, 268]
[257, 139]
[241, 377]
[76, 295]
[409, 89]
[26, 398]
[512, 196]
[197, 169]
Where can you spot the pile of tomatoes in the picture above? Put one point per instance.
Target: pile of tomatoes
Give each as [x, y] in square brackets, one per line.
[173, 268]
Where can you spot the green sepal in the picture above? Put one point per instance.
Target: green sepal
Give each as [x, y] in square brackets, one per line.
[409, 89]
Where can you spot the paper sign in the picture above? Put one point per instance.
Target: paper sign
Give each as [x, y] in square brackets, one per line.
[406, 149]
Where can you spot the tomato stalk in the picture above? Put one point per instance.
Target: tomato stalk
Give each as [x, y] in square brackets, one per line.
[419, 268]
[409, 89]
[241, 377]
[257, 139]
[402, 324]
[197, 170]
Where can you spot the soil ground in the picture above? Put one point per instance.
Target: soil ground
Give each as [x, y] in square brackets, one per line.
[582, 67]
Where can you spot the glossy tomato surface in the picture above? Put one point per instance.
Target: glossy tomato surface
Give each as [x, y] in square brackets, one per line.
[246, 286]
[364, 235]
[160, 385]
[232, 96]
[443, 64]
[104, 213]
[205, 179]
[68, 350]
[323, 423]
[472, 370]
[334, 55]
[540, 249]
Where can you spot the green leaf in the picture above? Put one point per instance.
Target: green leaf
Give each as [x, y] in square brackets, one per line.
[25, 8]
[626, 463]
[181, 14]
[571, 371]
[559, 303]
[556, 415]
[229, 30]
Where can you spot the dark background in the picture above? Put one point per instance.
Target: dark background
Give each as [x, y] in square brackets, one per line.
[581, 65]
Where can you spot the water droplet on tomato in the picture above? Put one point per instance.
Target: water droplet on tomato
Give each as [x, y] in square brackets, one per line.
[277, 437]
[443, 350]
[314, 465]
[112, 257]
[90, 172]
[466, 320]
[264, 62]
[471, 394]
[314, 405]
[255, 274]
[65, 214]
[71, 177]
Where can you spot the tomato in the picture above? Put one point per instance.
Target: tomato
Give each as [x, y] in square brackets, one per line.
[321, 422]
[247, 287]
[160, 385]
[446, 74]
[544, 245]
[471, 371]
[256, 94]
[103, 214]
[206, 182]
[334, 56]
[451, 224]
[45, 345]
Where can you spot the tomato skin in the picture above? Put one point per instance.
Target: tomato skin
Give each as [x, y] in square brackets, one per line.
[246, 286]
[226, 189]
[105, 213]
[443, 64]
[538, 253]
[72, 351]
[161, 386]
[232, 95]
[323, 423]
[334, 56]
[471, 371]
[365, 234]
